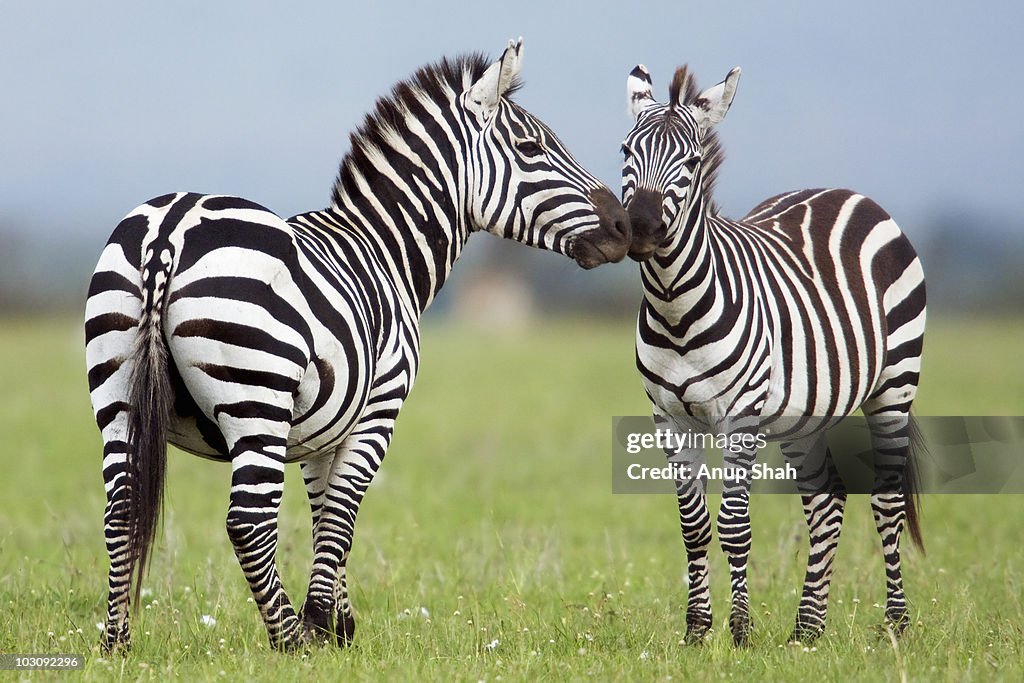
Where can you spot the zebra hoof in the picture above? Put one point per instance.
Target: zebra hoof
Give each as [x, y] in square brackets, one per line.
[741, 626]
[116, 641]
[698, 628]
[314, 634]
[697, 635]
[298, 639]
[115, 646]
[346, 629]
[805, 634]
[317, 626]
[896, 621]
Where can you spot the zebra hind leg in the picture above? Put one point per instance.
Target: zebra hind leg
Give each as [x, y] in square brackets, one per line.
[257, 485]
[116, 632]
[824, 500]
[338, 488]
[317, 612]
[891, 502]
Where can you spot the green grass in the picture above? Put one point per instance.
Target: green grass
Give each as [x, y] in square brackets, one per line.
[494, 513]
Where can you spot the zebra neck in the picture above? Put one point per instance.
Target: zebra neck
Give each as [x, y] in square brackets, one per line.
[417, 227]
[682, 277]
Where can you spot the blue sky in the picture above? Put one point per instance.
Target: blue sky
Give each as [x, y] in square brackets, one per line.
[108, 104]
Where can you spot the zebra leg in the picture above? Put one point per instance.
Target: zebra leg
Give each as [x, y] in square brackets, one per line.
[824, 501]
[890, 439]
[317, 613]
[734, 535]
[116, 633]
[695, 523]
[348, 477]
[257, 484]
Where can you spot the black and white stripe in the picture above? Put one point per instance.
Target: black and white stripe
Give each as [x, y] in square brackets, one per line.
[242, 337]
[809, 308]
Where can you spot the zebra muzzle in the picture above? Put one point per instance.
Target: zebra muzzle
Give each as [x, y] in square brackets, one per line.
[648, 223]
[609, 242]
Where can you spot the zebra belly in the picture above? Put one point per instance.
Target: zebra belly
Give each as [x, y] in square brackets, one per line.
[185, 435]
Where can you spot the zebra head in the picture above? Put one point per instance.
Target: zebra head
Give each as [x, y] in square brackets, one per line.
[671, 156]
[524, 183]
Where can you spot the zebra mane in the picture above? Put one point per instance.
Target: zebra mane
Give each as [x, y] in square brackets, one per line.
[439, 82]
[711, 147]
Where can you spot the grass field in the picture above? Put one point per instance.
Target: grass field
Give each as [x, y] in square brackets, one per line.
[491, 547]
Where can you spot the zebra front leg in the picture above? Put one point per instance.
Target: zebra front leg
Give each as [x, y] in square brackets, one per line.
[734, 533]
[824, 500]
[347, 478]
[257, 484]
[695, 522]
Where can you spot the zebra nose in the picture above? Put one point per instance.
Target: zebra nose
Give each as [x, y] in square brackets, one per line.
[648, 224]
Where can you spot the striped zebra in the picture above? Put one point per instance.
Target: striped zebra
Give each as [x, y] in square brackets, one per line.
[244, 338]
[811, 306]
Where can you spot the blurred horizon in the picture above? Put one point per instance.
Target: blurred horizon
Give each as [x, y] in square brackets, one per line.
[110, 105]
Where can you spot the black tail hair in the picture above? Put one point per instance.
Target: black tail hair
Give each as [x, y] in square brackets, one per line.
[150, 398]
[911, 483]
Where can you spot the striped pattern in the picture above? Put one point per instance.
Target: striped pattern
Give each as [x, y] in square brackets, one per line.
[241, 337]
[807, 309]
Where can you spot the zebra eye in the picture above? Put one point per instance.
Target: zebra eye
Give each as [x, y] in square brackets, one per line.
[626, 151]
[529, 148]
[691, 163]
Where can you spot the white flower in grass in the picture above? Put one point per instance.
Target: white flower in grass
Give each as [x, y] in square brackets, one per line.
[99, 625]
[424, 612]
[492, 645]
[146, 592]
[207, 621]
[645, 655]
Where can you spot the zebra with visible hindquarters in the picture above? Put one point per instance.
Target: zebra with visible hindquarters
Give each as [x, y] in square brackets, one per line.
[811, 305]
[241, 337]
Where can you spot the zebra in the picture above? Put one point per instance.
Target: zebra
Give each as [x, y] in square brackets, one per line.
[812, 305]
[241, 337]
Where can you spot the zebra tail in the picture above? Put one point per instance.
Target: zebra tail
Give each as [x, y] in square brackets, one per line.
[151, 399]
[911, 483]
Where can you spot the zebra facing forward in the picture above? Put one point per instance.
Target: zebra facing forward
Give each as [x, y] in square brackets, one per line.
[241, 337]
[811, 305]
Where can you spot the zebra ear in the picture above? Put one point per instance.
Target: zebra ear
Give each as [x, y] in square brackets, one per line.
[497, 80]
[710, 106]
[638, 90]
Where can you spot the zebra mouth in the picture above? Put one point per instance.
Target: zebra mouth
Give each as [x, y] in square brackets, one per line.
[589, 254]
[643, 254]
